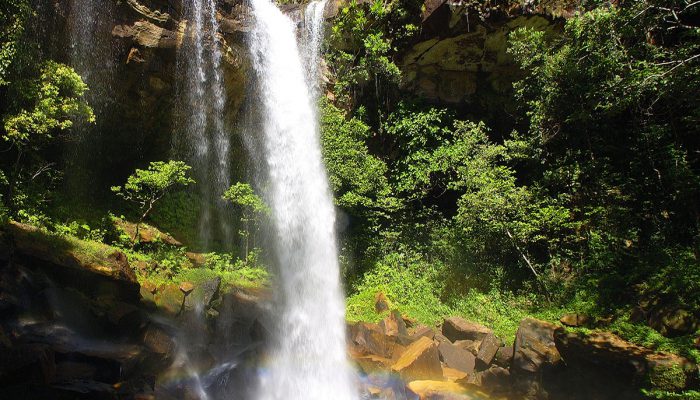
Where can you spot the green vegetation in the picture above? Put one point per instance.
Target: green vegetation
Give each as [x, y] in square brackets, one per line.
[252, 209]
[146, 187]
[589, 205]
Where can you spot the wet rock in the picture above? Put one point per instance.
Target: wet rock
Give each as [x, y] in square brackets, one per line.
[457, 358]
[438, 390]
[373, 364]
[496, 380]
[456, 328]
[368, 339]
[170, 298]
[158, 340]
[70, 253]
[27, 363]
[487, 351]
[419, 361]
[203, 293]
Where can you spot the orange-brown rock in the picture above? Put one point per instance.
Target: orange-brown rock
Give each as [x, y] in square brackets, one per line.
[456, 328]
[434, 390]
[419, 361]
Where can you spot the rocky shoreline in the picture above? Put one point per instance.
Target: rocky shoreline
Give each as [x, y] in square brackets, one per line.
[76, 327]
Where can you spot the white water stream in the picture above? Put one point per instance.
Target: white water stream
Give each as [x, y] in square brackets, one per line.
[208, 141]
[308, 359]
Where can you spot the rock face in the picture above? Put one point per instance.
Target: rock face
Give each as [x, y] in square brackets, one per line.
[420, 361]
[127, 52]
[461, 58]
[535, 357]
[456, 357]
[70, 253]
[455, 328]
[619, 366]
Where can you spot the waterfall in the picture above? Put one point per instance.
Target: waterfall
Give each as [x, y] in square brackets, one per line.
[207, 140]
[308, 357]
[91, 55]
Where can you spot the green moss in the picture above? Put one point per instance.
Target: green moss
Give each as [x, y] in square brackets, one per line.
[667, 377]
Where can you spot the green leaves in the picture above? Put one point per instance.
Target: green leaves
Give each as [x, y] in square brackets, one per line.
[242, 195]
[52, 103]
[146, 186]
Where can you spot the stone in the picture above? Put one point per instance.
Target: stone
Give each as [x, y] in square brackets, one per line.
[453, 375]
[170, 298]
[394, 325]
[186, 287]
[534, 346]
[673, 322]
[456, 328]
[373, 364]
[574, 319]
[496, 380]
[623, 363]
[471, 346]
[28, 363]
[456, 357]
[504, 356]
[203, 293]
[438, 390]
[381, 303]
[487, 351]
[422, 331]
[366, 339]
[420, 361]
[71, 253]
[158, 340]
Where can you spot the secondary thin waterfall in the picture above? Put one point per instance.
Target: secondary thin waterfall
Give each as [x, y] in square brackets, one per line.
[308, 358]
[208, 141]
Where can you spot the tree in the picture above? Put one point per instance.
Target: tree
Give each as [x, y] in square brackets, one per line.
[37, 111]
[145, 187]
[252, 208]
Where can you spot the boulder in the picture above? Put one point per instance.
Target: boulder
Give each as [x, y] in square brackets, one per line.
[456, 357]
[471, 346]
[535, 358]
[203, 293]
[381, 303]
[422, 331]
[186, 287]
[369, 339]
[496, 380]
[394, 325]
[487, 351]
[622, 363]
[673, 322]
[574, 319]
[170, 298]
[438, 390]
[159, 341]
[456, 328]
[504, 356]
[69, 252]
[420, 361]
[534, 347]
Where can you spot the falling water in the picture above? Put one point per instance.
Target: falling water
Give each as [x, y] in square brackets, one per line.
[91, 54]
[207, 140]
[308, 358]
